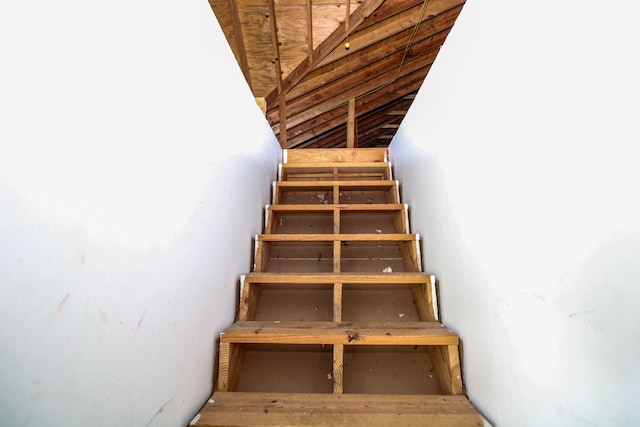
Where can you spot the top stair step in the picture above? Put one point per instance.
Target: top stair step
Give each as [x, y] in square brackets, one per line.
[337, 171]
[346, 333]
[335, 155]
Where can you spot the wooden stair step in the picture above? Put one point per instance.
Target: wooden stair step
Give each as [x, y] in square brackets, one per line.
[340, 278]
[395, 237]
[346, 333]
[337, 218]
[336, 324]
[318, 171]
[336, 192]
[280, 339]
[390, 207]
[265, 290]
[356, 184]
[313, 409]
[335, 155]
[326, 253]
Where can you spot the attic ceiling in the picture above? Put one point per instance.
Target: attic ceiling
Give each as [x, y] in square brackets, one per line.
[323, 67]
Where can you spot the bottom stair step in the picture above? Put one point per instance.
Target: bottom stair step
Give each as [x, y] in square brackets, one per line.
[312, 409]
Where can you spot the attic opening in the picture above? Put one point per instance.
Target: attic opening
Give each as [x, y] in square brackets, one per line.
[331, 73]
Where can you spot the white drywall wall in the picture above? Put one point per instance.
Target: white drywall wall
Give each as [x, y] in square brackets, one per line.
[134, 167]
[520, 162]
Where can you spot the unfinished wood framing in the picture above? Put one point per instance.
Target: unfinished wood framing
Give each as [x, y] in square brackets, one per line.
[351, 124]
[230, 366]
[326, 47]
[336, 304]
[296, 53]
[338, 368]
[239, 41]
[311, 409]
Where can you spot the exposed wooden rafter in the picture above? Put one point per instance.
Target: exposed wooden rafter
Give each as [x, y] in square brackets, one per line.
[278, 70]
[309, 30]
[242, 52]
[296, 53]
[326, 47]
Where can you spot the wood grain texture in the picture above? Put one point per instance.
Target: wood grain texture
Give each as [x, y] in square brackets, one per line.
[347, 333]
[341, 238]
[357, 278]
[338, 368]
[279, 409]
[337, 156]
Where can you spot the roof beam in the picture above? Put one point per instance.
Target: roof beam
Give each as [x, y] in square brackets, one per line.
[324, 122]
[351, 124]
[242, 51]
[369, 62]
[384, 29]
[326, 47]
[309, 30]
[364, 58]
[357, 85]
[278, 70]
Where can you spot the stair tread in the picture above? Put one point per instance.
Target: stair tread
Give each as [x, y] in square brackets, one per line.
[342, 206]
[336, 155]
[350, 333]
[394, 237]
[334, 171]
[315, 409]
[346, 183]
[343, 165]
[338, 277]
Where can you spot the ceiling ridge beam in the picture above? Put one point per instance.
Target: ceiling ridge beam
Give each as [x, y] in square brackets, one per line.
[325, 48]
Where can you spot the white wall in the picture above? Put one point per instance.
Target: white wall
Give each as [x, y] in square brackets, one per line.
[134, 167]
[520, 162]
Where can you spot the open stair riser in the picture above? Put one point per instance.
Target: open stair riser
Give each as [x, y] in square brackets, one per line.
[313, 409]
[334, 171]
[336, 192]
[335, 253]
[337, 219]
[335, 289]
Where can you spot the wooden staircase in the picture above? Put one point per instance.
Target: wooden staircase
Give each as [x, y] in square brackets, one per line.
[337, 325]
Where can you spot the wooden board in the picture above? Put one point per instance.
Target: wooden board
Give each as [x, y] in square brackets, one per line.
[335, 171]
[278, 409]
[335, 156]
[348, 333]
